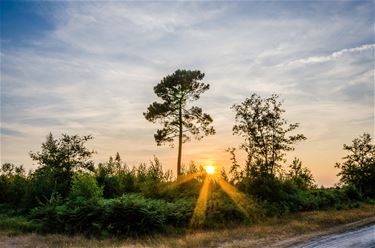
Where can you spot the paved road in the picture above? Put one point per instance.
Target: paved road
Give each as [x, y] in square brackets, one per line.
[360, 238]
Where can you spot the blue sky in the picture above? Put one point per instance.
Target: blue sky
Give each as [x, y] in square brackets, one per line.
[89, 68]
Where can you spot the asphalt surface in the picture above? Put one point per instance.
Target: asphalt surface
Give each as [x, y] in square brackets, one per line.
[360, 238]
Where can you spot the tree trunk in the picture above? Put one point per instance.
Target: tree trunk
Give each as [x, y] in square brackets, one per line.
[179, 143]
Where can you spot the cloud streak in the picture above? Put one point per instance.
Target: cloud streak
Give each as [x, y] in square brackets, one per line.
[333, 56]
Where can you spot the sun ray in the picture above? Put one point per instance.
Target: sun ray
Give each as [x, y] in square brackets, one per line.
[201, 206]
[239, 198]
[185, 178]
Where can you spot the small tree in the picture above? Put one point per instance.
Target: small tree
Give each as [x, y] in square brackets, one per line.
[177, 119]
[299, 175]
[260, 122]
[13, 184]
[358, 169]
[115, 177]
[235, 169]
[59, 159]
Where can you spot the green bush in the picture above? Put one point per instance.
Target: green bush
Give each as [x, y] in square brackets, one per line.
[133, 214]
[66, 194]
[18, 224]
[352, 192]
[85, 186]
[50, 215]
[180, 211]
[222, 211]
[127, 215]
[278, 197]
[13, 184]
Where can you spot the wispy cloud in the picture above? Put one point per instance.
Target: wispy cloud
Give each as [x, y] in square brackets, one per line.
[94, 72]
[330, 57]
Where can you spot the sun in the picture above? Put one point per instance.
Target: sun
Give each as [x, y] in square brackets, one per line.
[210, 169]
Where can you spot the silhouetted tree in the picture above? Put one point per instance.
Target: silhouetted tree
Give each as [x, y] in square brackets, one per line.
[235, 169]
[115, 177]
[260, 122]
[358, 169]
[191, 169]
[176, 118]
[223, 174]
[299, 175]
[13, 184]
[59, 159]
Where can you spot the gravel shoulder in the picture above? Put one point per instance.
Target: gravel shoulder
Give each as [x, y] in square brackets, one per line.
[337, 232]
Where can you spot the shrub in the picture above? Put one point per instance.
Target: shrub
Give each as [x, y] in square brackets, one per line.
[85, 186]
[133, 214]
[127, 215]
[358, 168]
[18, 224]
[352, 192]
[50, 216]
[222, 211]
[13, 184]
[268, 188]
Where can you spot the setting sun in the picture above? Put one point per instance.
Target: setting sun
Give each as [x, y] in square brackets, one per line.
[210, 169]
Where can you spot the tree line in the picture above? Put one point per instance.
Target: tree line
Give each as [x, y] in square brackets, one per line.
[69, 193]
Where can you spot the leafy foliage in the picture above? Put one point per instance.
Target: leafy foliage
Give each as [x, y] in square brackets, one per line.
[358, 169]
[300, 176]
[126, 215]
[115, 177]
[84, 186]
[235, 169]
[260, 122]
[59, 159]
[114, 199]
[177, 119]
[13, 184]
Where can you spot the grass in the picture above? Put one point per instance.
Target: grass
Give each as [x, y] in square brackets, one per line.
[17, 224]
[283, 231]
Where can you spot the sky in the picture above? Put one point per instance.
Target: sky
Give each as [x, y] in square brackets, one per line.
[84, 67]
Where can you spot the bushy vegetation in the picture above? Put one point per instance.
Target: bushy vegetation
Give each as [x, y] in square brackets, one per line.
[281, 190]
[358, 168]
[114, 199]
[131, 214]
[69, 194]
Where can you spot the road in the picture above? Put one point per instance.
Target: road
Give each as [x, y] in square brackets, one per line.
[360, 238]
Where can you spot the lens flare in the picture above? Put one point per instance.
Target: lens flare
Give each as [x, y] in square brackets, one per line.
[210, 169]
[243, 203]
